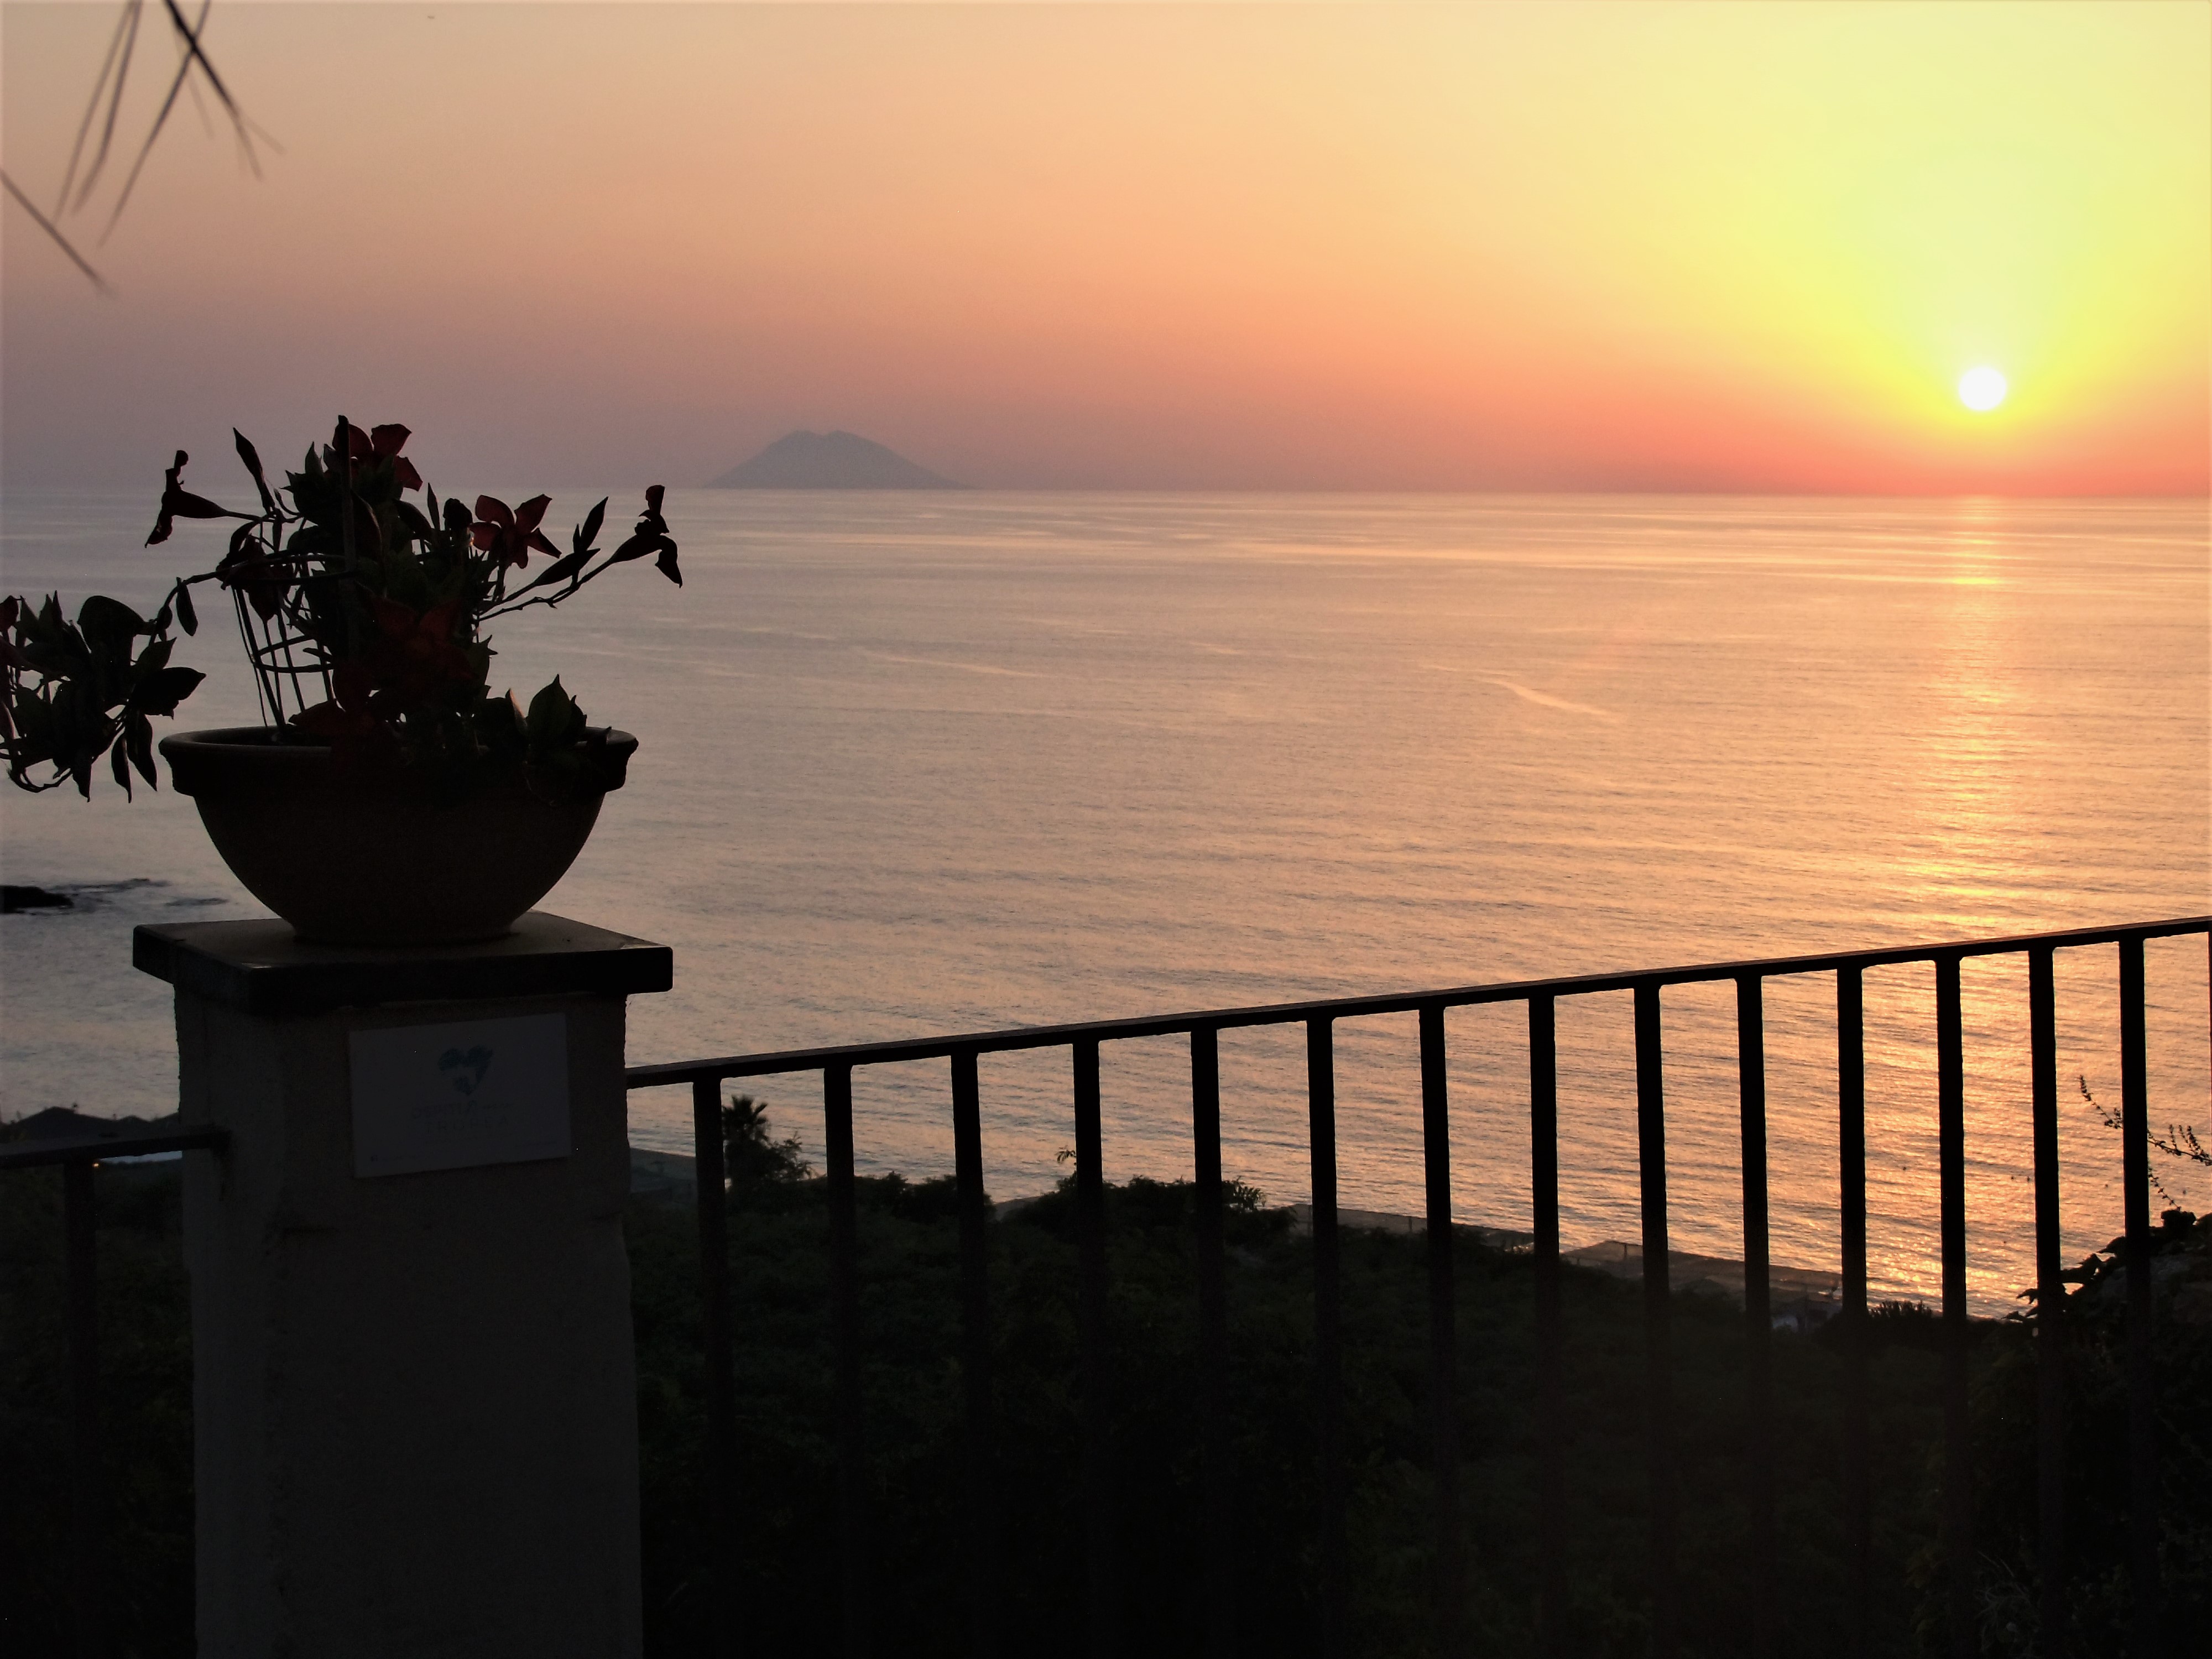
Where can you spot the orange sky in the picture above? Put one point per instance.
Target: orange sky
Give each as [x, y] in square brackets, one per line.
[1522, 247]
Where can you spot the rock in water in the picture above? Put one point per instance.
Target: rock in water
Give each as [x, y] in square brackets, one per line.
[13, 899]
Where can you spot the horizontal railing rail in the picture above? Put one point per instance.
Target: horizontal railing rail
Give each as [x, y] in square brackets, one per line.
[836, 1063]
[899, 1050]
[102, 1149]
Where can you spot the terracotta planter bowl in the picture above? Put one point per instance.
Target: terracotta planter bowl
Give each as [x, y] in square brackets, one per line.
[349, 864]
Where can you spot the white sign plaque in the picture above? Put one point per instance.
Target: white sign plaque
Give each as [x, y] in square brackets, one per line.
[452, 1097]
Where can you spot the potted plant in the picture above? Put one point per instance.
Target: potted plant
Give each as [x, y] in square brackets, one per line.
[388, 797]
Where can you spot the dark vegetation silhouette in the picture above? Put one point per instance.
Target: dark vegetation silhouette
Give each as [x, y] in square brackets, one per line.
[362, 616]
[2179, 1143]
[909, 1235]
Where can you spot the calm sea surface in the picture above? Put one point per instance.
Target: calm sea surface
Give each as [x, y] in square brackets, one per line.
[924, 762]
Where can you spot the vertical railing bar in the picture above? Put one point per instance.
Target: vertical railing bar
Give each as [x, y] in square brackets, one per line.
[1551, 1413]
[978, 1475]
[88, 1487]
[1659, 1381]
[1443, 1337]
[1212, 1339]
[1329, 1333]
[1958, 1518]
[845, 1325]
[1757, 1308]
[1092, 1313]
[2050, 1301]
[2148, 1598]
[725, 1631]
[1850, 1157]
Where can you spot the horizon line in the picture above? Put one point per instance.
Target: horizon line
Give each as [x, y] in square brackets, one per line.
[2202, 494]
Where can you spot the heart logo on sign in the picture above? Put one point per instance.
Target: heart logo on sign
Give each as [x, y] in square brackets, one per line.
[470, 1067]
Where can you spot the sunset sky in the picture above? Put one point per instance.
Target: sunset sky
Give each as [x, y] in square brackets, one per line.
[1554, 247]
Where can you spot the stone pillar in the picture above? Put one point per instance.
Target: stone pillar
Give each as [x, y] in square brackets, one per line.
[414, 1395]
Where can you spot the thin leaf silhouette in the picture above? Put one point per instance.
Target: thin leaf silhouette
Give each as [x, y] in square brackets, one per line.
[104, 109]
[194, 56]
[126, 32]
[53, 233]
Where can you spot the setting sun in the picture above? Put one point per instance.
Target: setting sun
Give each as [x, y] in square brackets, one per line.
[1193, 271]
[1982, 389]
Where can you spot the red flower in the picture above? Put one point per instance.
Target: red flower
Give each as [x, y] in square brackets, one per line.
[415, 658]
[384, 443]
[179, 503]
[412, 660]
[509, 534]
[344, 722]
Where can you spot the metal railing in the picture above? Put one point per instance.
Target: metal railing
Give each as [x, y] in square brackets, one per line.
[78, 1157]
[836, 1064]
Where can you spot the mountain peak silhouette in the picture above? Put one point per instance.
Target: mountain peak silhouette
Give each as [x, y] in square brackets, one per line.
[828, 460]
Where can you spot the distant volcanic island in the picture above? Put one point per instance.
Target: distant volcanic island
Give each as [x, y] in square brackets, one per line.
[828, 460]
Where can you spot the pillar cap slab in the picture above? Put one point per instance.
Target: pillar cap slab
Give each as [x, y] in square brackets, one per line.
[260, 968]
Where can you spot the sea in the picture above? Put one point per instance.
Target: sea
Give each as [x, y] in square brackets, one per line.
[932, 762]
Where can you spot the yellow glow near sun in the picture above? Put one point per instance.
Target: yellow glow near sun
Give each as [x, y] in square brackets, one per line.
[1982, 389]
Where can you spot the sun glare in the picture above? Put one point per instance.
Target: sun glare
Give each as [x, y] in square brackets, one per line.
[1982, 389]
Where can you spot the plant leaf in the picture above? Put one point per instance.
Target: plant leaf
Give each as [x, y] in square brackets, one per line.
[559, 570]
[138, 733]
[553, 718]
[242, 541]
[588, 531]
[105, 621]
[159, 693]
[247, 453]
